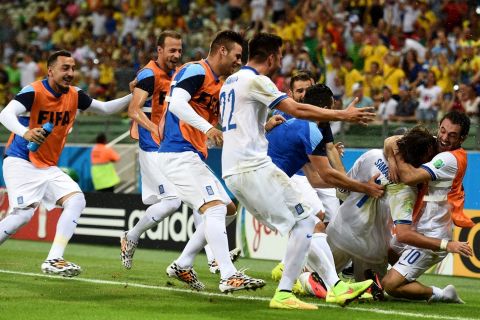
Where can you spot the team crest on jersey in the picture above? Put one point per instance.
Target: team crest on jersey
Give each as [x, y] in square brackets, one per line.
[299, 209]
[438, 163]
[209, 190]
[161, 189]
[20, 200]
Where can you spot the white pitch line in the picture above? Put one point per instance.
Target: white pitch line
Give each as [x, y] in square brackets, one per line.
[230, 296]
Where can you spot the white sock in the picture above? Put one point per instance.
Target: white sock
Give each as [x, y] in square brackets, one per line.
[320, 259]
[14, 221]
[297, 249]
[216, 235]
[72, 209]
[197, 220]
[437, 294]
[196, 243]
[153, 216]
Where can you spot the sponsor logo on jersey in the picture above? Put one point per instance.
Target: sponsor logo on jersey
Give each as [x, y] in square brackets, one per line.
[438, 163]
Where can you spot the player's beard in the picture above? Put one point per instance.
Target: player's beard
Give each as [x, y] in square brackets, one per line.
[64, 88]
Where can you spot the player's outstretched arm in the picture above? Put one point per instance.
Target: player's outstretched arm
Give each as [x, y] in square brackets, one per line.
[109, 107]
[9, 118]
[410, 175]
[311, 112]
[405, 233]
[341, 180]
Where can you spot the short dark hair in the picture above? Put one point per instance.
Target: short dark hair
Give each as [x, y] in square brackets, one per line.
[225, 38]
[53, 57]
[319, 95]
[459, 118]
[101, 138]
[417, 146]
[167, 34]
[263, 45]
[300, 76]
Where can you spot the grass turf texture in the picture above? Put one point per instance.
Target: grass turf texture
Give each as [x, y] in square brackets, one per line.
[106, 290]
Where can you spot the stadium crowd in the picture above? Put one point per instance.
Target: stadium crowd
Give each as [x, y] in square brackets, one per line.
[412, 60]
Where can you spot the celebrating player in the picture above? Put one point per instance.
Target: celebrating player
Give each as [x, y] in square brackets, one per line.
[33, 177]
[262, 187]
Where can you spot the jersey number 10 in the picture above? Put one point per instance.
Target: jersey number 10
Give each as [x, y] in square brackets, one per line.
[230, 99]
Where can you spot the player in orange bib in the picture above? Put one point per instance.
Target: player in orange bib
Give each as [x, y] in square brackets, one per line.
[193, 113]
[441, 205]
[33, 177]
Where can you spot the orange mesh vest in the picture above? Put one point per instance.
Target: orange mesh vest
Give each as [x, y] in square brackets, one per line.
[205, 102]
[61, 112]
[158, 104]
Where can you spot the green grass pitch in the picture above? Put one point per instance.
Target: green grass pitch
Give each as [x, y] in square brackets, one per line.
[105, 290]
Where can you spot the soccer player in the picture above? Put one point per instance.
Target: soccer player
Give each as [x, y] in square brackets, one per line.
[192, 114]
[264, 189]
[441, 205]
[33, 177]
[147, 110]
[299, 143]
[324, 199]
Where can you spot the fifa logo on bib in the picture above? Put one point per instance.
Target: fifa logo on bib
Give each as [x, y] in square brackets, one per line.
[209, 190]
[299, 209]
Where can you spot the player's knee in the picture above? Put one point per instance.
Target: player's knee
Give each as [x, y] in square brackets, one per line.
[389, 285]
[171, 204]
[23, 215]
[77, 201]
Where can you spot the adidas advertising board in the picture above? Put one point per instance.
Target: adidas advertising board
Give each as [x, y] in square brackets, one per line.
[106, 216]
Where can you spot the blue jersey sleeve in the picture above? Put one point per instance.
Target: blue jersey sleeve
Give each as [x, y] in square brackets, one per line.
[146, 81]
[311, 137]
[190, 78]
[26, 96]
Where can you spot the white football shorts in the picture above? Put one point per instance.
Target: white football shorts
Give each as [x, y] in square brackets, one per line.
[271, 196]
[194, 182]
[27, 184]
[415, 261]
[308, 192]
[154, 184]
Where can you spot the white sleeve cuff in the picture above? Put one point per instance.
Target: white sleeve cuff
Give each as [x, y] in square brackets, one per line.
[110, 107]
[9, 117]
[180, 107]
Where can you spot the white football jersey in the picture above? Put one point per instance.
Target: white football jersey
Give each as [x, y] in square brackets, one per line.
[436, 220]
[245, 99]
[362, 225]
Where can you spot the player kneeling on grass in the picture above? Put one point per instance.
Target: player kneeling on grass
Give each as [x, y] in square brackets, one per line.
[440, 203]
[33, 177]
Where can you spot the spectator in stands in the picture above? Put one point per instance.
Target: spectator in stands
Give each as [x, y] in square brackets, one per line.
[411, 66]
[104, 175]
[429, 98]
[28, 70]
[406, 107]
[351, 76]
[363, 101]
[374, 82]
[470, 102]
[393, 76]
[388, 107]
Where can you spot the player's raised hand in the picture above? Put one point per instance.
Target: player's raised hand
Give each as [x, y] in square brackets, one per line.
[215, 135]
[274, 121]
[36, 135]
[359, 115]
[462, 248]
[132, 84]
[373, 189]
